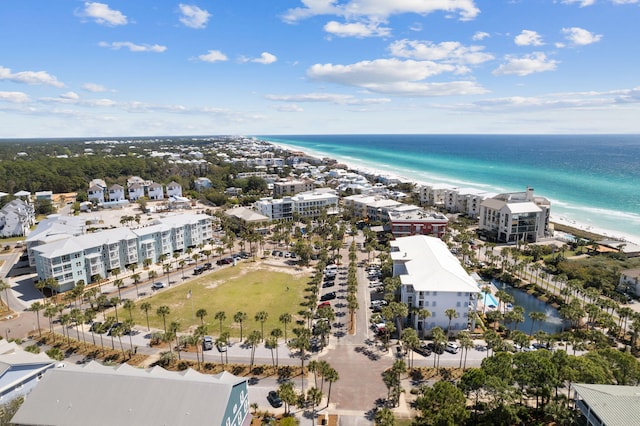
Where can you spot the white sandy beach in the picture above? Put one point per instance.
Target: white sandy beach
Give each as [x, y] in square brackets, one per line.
[556, 218]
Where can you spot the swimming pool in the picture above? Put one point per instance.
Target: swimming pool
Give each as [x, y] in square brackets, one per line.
[489, 301]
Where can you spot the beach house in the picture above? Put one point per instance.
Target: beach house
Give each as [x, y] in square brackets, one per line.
[515, 216]
[433, 279]
[16, 218]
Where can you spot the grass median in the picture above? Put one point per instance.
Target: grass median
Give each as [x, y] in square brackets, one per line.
[249, 288]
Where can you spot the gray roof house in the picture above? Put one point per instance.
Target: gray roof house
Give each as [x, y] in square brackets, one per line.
[608, 405]
[20, 371]
[16, 218]
[98, 395]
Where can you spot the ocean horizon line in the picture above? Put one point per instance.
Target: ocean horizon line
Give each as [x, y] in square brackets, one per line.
[570, 212]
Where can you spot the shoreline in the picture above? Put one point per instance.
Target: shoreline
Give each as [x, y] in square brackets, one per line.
[554, 218]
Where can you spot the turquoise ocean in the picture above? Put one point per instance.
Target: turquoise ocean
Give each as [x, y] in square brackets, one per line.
[591, 180]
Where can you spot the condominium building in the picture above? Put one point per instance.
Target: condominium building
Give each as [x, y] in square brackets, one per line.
[371, 208]
[16, 218]
[432, 279]
[291, 187]
[308, 204]
[89, 256]
[516, 216]
[417, 221]
[465, 200]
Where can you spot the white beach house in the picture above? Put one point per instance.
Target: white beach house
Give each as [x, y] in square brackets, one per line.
[433, 279]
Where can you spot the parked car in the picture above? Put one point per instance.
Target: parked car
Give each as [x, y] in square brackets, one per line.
[158, 285]
[327, 284]
[221, 347]
[324, 305]
[439, 349]
[207, 266]
[328, 296]
[207, 343]
[422, 350]
[95, 326]
[198, 270]
[274, 399]
[452, 347]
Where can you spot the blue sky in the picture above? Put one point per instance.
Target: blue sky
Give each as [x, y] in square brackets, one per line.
[143, 68]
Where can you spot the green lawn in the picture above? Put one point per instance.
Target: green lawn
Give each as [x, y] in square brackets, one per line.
[247, 287]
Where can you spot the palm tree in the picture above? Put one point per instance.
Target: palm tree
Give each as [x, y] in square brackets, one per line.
[129, 305]
[136, 280]
[301, 342]
[285, 319]
[115, 301]
[252, 340]
[119, 284]
[439, 339]
[384, 417]
[146, 307]
[201, 313]
[276, 333]
[423, 314]
[220, 316]
[271, 343]
[37, 307]
[198, 334]
[536, 316]
[262, 317]
[331, 376]
[451, 314]
[173, 329]
[240, 318]
[163, 311]
[50, 311]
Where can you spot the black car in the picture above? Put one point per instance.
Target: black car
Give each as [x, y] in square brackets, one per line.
[423, 350]
[439, 349]
[328, 296]
[274, 399]
[327, 284]
[207, 266]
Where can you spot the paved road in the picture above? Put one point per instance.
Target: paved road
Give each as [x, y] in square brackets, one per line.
[359, 358]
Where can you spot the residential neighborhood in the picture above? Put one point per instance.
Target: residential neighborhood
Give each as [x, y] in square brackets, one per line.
[410, 288]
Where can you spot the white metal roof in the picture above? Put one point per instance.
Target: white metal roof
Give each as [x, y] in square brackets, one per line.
[430, 265]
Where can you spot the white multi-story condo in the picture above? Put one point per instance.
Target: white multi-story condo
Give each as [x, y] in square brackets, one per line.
[372, 208]
[432, 279]
[515, 216]
[465, 200]
[308, 204]
[85, 257]
[291, 187]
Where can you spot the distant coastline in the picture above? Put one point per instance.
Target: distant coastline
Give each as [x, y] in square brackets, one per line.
[564, 221]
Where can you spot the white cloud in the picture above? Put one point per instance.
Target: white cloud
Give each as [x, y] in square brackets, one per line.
[480, 35]
[265, 58]
[525, 65]
[213, 56]
[333, 98]
[418, 89]
[93, 87]
[448, 51]
[395, 77]
[117, 45]
[72, 96]
[580, 36]
[528, 38]
[583, 3]
[193, 16]
[30, 77]
[624, 1]
[102, 14]
[380, 9]
[357, 29]
[289, 108]
[14, 97]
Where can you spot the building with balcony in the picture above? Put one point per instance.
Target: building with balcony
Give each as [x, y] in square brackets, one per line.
[516, 216]
[88, 256]
[433, 279]
[417, 221]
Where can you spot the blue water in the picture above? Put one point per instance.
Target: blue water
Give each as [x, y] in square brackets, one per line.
[590, 179]
[489, 300]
